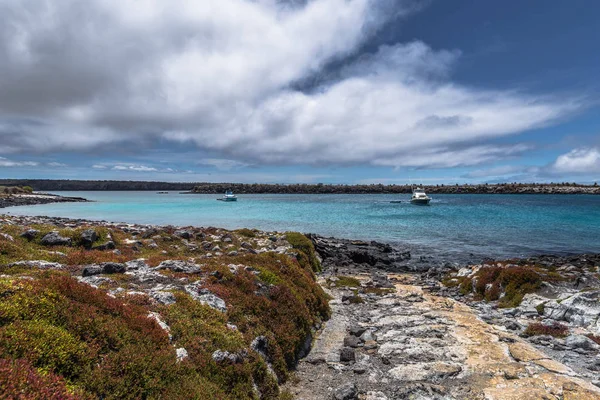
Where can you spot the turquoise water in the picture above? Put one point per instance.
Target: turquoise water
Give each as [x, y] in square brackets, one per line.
[484, 225]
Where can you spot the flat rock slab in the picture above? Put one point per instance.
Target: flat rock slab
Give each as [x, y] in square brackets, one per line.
[429, 347]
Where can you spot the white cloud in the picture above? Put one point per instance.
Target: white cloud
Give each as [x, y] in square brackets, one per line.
[220, 74]
[137, 168]
[577, 161]
[5, 162]
[99, 166]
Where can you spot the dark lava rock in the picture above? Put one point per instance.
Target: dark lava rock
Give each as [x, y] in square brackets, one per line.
[54, 239]
[347, 354]
[351, 341]
[113, 268]
[110, 245]
[88, 237]
[341, 252]
[91, 270]
[30, 234]
[357, 330]
[184, 233]
[104, 268]
[347, 391]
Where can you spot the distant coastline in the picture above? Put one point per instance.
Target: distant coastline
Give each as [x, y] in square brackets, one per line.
[245, 188]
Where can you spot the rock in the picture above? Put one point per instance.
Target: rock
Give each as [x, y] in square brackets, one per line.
[91, 270]
[30, 234]
[104, 268]
[184, 233]
[376, 396]
[581, 342]
[206, 297]
[246, 245]
[357, 330]
[7, 237]
[225, 356]
[179, 266]
[88, 237]
[41, 264]
[581, 309]
[368, 336]
[113, 268]
[347, 391]
[109, 245]
[95, 281]
[260, 344]
[54, 239]
[162, 297]
[232, 253]
[181, 353]
[347, 354]
[351, 341]
[370, 345]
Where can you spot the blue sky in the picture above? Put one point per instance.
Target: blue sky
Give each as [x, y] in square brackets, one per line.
[334, 91]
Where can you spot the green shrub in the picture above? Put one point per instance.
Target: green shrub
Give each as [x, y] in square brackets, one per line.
[344, 281]
[306, 248]
[21, 380]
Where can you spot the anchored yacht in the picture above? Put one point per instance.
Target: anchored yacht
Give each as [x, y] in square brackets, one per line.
[420, 197]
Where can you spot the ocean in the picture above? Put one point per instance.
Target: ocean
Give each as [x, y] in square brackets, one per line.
[499, 226]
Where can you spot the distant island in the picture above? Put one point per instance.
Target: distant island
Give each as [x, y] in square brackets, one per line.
[318, 188]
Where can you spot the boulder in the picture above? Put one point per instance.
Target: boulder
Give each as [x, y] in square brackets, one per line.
[162, 297]
[184, 233]
[109, 245]
[347, 391]
[581, 342]
[104, 268]
[181, 354]
[88, 237]
[54, 239]
[347, 354]
[206, 297]
[581, 309]
[30, 234]
[113, 268]
[179, 266]
[225, 356]
[351, 341]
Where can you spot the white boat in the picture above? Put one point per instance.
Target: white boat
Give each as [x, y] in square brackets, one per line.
[420, 197]
[228, 196]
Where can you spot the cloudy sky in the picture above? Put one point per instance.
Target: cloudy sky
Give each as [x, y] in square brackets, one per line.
[341, 91]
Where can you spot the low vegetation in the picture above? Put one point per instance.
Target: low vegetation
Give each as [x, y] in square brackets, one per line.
[505, 283]
[555, 329]
[64, 339]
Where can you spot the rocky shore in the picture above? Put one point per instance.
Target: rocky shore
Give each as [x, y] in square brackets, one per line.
[250, 314]
[519, 329]
[31, 199]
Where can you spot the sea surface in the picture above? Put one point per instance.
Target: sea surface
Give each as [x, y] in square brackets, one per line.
[453, 225]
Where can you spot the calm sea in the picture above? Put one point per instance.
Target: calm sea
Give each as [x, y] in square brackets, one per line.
[483, 225]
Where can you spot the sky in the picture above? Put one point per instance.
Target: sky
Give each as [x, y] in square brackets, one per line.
[301, 91]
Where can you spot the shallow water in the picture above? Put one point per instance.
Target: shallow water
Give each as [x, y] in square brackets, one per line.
[484, 225]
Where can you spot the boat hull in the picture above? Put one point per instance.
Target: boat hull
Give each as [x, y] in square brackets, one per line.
[420, 202]
[228, 199]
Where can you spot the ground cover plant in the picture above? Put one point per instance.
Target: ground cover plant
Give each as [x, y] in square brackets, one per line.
[62, 338]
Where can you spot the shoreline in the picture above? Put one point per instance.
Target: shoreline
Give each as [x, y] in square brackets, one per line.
[420, 257]
[399, 324]
[32, 199]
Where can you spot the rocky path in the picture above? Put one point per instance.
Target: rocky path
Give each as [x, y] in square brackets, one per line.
[404, 343]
